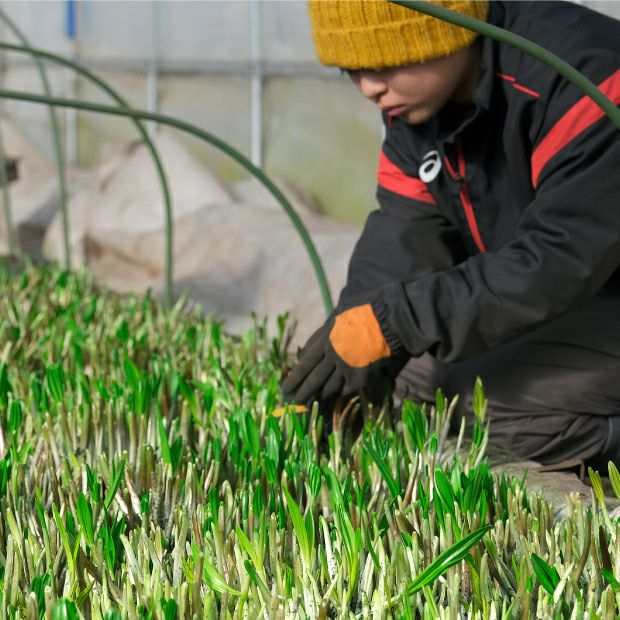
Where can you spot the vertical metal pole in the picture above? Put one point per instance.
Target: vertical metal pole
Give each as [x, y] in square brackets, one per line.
[72, 80]
[256, 144]
[152, 75]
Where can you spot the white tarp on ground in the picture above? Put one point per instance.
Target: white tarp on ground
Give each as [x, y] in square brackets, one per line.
[235, 251]
[34, 196]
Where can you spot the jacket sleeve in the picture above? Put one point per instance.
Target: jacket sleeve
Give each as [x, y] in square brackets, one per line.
[566, 249]
[407, 237]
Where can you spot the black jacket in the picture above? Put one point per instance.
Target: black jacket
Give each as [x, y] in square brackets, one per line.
[496, 219]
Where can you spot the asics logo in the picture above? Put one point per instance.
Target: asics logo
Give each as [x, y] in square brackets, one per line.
[430, 167]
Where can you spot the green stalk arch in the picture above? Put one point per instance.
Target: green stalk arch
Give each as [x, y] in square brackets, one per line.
[60, 160]
[211, 139]
[37, 53]
[523, 44]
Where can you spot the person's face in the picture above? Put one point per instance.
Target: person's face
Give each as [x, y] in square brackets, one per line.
[418, 91]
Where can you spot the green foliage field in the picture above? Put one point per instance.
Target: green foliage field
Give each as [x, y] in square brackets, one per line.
[142, 475]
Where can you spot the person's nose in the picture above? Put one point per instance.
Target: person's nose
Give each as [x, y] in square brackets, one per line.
[372, 86]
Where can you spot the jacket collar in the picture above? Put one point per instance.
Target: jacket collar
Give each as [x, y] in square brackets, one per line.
[453, 119]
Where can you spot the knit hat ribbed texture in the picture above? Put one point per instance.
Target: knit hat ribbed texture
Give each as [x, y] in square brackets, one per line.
[371, 34]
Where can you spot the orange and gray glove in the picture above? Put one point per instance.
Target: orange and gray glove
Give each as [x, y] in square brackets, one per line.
[349, 352]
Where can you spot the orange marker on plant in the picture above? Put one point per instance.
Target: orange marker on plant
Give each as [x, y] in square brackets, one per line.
[278, 412]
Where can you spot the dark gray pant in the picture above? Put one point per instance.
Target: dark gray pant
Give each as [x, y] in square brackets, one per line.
[554, 394]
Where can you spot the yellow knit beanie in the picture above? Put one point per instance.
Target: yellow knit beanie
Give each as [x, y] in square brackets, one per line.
[371, 34]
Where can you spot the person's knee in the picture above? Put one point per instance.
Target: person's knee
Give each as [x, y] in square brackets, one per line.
[419, 380]
[549, 436]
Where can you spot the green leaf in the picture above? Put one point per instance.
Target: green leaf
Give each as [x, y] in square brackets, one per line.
[374, 557]
[176, 453]
[256, 579]
[547, 575]
[132, 374]
[597, 485]
[309, 523]
[5, 385]
[289, 580]
[83, 595]
[89, 311]
[94, 486]
[122, 332]
[394, 488]
[433, 444]
[423, 499]
[444, 489]
[614, 478]
[64, 538]
[414, 420]
[298, 525]
[529, 583]
[335, 490]
[610, 579]
[38, 587]
[170, 609]
[15, 416]
[452, 556]
[55, 379]
[113, 614]
[250, 434]
[109, 552]
[431, 611]
[116, 477]
[65, 609]
[39, 509]
[247, 546]
[314, 479]
[190, 396]
[208, 397]
[440, 402]
[271, 471]
[163, 441]
[85, 517]
[85, 390]
[215, 581]
[479, 400]
[258, 502]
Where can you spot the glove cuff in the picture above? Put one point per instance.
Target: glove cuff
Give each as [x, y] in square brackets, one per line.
[382, 312]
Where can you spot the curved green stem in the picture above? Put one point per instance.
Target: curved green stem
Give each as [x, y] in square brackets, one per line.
[168, 278]
[525, 45]
[60, 160]
[215, 141]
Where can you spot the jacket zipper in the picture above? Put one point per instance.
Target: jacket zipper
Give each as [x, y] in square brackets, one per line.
[468, 208]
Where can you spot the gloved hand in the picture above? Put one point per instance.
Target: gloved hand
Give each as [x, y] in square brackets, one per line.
[349, 352]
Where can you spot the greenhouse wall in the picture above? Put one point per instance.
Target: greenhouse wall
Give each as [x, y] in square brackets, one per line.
[245, 71]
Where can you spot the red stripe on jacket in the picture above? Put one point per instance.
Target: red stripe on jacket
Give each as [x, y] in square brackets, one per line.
[515, 84]
[392, 178]
[579, 118]
[466, 202]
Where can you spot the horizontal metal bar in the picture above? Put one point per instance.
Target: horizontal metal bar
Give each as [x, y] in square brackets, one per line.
[192, 67]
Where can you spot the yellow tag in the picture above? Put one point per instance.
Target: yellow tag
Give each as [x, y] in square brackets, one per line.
[280, 411]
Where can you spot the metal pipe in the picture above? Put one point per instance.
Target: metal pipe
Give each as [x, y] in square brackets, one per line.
[256, 106]
[71, 131]
[215, 141]
[152, 77]
[58, 151]
[271, 68]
